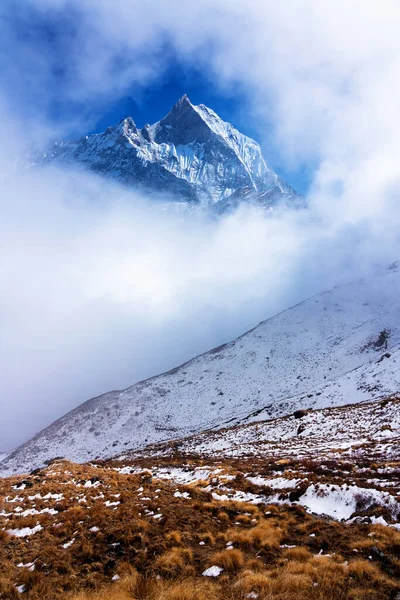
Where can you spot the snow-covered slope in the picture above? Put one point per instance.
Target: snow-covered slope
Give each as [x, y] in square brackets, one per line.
[190, 155]
[369, 429]
[341, 461]
[336, 348]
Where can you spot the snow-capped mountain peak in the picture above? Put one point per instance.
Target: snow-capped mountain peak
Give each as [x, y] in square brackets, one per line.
[191, 154]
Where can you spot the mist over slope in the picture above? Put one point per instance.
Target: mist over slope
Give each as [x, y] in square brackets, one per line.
[335, 348]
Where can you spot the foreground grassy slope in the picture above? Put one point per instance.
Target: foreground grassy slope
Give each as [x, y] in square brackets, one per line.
[113, 530]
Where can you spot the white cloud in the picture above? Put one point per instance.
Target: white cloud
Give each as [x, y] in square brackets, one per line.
[99, 290]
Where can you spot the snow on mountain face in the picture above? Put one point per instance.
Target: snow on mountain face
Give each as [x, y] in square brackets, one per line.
[340, 347]
[190, 155]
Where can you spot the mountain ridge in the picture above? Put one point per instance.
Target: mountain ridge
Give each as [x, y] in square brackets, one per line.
[283, 364]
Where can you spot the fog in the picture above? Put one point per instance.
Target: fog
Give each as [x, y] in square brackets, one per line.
[99, 288]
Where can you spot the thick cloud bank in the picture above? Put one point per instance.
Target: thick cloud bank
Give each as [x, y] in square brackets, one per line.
[99, 289]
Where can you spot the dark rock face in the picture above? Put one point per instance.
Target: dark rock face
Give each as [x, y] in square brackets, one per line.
[183, 125]
[299, 414]
[190, 156]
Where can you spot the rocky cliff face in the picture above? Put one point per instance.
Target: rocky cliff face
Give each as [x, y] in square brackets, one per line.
[190, 155]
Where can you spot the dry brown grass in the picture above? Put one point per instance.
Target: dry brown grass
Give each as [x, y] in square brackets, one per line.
[223, 517]
[162, 559]
[173, 561]
[229, 560]
[299, 553]
[264, 533]
[153, 589]
[207, 538]
[174, 538]
[364, 569]
[250, 582]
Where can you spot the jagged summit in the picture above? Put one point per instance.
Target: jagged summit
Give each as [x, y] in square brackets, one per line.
[184, 124]
[125, 127]
[182, 104]
[183, 99]
[191, 154]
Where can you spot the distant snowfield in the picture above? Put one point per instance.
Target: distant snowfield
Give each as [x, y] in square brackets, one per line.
[3, 455]
[339, 347]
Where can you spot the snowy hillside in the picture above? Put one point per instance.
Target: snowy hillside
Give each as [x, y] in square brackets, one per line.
[368, 429]
[339, 347]
[190, 156]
